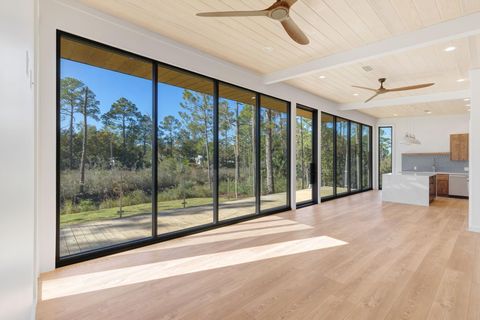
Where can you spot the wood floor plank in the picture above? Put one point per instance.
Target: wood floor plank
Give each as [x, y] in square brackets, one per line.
[377, 261]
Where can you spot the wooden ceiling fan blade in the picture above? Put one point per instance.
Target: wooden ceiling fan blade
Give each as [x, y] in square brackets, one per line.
[360, 87]
[294, 31]
[290, 2]
[418, 86]
[376, 94]
[254, 13]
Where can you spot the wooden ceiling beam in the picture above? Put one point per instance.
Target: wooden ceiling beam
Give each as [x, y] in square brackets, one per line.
[462, 27]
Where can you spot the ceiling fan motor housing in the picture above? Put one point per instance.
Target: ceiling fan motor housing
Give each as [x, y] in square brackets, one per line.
[279, 13]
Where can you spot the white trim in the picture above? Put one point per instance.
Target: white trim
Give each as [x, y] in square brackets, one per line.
[445, 31]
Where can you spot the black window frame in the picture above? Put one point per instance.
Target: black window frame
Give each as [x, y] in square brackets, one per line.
[361, 189]
[155, 237]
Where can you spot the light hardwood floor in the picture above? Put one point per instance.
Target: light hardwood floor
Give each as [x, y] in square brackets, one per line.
[352, 258]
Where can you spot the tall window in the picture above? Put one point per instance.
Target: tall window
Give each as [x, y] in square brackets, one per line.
[236, 151]
[185, 150]
[346, 157]
[342, 155]
[385, 145]
[105, 137]
[366, 157]
[355, 156]
[273, 152]
[305, 155]
[327, 181]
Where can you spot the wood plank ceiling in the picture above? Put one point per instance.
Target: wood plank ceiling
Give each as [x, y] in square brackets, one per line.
[333, 26]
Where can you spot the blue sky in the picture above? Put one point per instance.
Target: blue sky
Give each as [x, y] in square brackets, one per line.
[109, 86]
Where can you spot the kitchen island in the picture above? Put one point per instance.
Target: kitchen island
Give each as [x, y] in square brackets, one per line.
[418, 188]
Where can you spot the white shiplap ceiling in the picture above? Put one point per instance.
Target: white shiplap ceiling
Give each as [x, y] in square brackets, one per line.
[333, 26]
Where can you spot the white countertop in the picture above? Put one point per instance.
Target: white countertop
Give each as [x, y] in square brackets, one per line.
[429, 174]
[412, 173]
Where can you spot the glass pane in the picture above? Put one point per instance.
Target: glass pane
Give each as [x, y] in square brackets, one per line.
[273, 152]
[304, 156]
[105, 147]
[385, 151]
[185, 150]
[236, 151]
[366, 157]
[327, 132]
[355, 159]
[342, 156]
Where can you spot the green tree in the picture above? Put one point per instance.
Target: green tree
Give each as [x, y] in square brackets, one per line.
[169, 129]
[144, 133]
[89, 109]
[122, 117]
[70, 99]
[198, 117]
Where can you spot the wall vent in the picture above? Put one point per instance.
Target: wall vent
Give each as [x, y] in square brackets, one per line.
[367, 68]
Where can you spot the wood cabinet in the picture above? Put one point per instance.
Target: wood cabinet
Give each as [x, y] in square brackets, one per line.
[459, 147]
[442, 185]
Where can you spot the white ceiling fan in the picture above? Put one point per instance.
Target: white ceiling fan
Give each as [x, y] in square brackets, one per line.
[279, 11]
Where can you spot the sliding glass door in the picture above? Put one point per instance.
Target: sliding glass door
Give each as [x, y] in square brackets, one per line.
[185, 150]
[385, 147]
[327, 172]
[148, 152]
[237, 165]
[104, 134]
[342, 155]
[274, 153]
[346, 153]
[306, 150]
[366, 157]
[355, 156]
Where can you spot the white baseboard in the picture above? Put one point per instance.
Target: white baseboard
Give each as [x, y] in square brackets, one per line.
[474, 228]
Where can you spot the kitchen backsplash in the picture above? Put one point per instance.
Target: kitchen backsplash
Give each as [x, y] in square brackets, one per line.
[425, 162]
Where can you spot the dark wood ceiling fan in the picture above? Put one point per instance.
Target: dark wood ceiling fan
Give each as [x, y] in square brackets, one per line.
[383, 90]
[279, 11]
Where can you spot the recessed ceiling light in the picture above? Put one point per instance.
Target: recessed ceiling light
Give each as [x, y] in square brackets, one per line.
[428, 112]
[355, 94]
[253, 97]
[467, 105]
[268, 49]
[395, 115]
[321, 77]
[469, 109]
[450, 49]
[466, 99]
[460, 80]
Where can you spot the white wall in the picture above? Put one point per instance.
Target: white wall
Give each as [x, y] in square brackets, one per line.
[75, 18]
[432, 131]
[474, 214]
[17, 162]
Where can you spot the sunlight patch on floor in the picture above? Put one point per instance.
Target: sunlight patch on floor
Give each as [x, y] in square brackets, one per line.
[90, 282]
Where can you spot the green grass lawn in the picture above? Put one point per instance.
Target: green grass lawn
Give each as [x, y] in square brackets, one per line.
[111, 213]
[328, 191]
